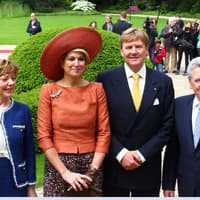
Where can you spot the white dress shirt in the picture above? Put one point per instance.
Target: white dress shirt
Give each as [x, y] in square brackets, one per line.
[195, 107]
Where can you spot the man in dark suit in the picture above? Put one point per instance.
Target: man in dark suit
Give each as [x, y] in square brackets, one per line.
[182, 156]
[108, 25]
[121, 24]
[138, 133]
[34, 25]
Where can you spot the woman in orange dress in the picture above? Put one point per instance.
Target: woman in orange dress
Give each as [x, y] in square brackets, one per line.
[73, 120]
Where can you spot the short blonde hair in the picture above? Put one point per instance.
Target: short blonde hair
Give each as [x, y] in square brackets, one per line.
[7, 66]
[132, 34]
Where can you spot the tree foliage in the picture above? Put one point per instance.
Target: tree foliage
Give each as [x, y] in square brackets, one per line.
[169, 5]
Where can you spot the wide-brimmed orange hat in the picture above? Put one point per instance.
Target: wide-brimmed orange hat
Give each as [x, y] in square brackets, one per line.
[75, 38]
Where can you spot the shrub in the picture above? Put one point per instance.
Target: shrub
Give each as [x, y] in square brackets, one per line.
[27, 56]
[31, 99]
[83, 5]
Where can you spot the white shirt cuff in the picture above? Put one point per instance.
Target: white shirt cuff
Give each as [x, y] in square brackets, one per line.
[141, 156]
[121, 154]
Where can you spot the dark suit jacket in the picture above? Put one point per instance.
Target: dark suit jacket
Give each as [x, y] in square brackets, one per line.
[121, 26]
[31, 30]
[182, 159]
[148, 130]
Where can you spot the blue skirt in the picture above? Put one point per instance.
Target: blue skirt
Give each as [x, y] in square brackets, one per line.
[7, 184]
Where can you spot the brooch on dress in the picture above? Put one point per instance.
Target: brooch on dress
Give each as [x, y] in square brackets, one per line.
[56, 94]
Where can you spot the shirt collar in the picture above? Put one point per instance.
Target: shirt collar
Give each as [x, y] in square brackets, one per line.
[129, 72]
[196, 102]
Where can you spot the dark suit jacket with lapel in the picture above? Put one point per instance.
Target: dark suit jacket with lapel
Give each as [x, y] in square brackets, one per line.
[182, 159]
[121, 26]
[148, 130]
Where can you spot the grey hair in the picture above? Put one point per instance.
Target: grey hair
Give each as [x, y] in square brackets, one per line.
[193, 64]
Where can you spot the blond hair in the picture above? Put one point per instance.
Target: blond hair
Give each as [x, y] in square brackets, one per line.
[7, 66]
[132, 34]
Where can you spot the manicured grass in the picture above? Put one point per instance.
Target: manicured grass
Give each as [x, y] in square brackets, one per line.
[40, 169]
[13, 30]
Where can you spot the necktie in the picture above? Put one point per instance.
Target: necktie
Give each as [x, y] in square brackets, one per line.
[136, 93]
[197, 128]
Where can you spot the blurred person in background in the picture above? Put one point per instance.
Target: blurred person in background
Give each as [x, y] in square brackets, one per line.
[121, 25]
[150, 28]
[159, 55]
[93, 24]
[34, 26]
[108, 25]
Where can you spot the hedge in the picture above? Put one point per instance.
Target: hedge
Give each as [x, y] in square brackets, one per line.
[27, 56]
[30, 78]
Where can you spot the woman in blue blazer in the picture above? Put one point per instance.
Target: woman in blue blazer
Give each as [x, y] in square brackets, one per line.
[17, 155]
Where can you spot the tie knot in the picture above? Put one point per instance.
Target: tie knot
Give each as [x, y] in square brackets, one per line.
[136, 76]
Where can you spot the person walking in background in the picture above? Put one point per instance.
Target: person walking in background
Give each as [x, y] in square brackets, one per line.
[159, 55]
[73, 121]
[34, 26]
[141, 105]
[108, 25]
[181, 160]
[121, 24]
[17, 153]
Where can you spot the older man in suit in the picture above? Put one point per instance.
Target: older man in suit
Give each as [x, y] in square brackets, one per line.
[182, 157]
[141, 117]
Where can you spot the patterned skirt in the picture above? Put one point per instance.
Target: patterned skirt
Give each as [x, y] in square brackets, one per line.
[55, 186]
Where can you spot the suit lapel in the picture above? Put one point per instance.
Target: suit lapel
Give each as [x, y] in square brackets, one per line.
[120, 85]
[188, 116]
[150, 91]
[184, 118]
[122, 93]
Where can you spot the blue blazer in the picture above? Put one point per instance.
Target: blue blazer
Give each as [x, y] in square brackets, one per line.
[148, 130]
[33, 31]
[17, 128]
[182, 159]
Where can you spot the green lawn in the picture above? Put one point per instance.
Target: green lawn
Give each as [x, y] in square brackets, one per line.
[13, 30]
[40, 169]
